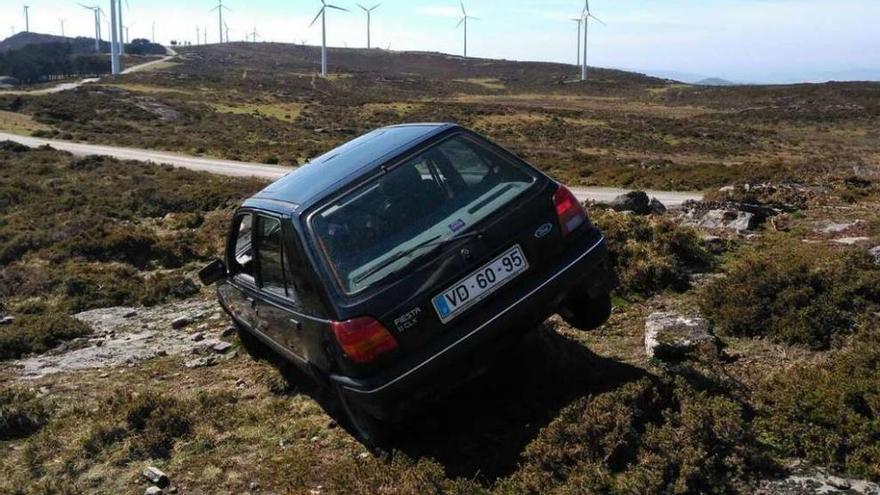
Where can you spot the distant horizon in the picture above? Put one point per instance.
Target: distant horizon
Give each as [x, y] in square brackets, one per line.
[742, 41]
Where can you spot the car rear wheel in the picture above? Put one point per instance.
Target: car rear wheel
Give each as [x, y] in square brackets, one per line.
[372, 432]
[584, 312]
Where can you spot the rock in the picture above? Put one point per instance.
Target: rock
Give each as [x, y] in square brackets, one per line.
[835, 227]
[153, 490]
[657, 208]
[201, 362]
[198, 337]
[727, 189]
[635, 201]
[839, 483]
[253, 486]
[738, 221]
[180, 322]
[669, 335]
[364, 455]
[130, 314]
[228, 332]
[221, 347]
[851, 241]
[7, 320]
[156, 476]
[875, 253]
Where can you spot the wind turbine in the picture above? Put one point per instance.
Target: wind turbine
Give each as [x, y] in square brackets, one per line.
[323, 16]
[97, 11]
[114, 40]
[586, 15]
[254, 34]
[27, 21]
[579, 21]
[198, 35]
[62, 21]
[227, 31]
[205, 34]
[153, 38]
[219, 8]
[464, 19]
[121, 27]
[369, 11]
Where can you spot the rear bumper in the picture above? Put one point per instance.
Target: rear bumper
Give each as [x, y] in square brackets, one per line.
[388, 394]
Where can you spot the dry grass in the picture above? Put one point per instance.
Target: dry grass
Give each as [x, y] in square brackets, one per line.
[17, 123]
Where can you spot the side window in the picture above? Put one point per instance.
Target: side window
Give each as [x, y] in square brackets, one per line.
[271, 257]
[242, 258]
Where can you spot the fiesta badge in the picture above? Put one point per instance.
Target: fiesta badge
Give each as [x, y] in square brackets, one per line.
[543, 231]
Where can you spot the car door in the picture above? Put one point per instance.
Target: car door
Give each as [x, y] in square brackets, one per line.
[239, 295]
[280, 305]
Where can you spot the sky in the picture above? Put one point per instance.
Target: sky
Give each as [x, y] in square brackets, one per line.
[760, 41]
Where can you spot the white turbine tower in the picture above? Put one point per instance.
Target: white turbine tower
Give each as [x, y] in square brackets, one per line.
[226, 26]
[219, 8]
[62, 21]
[116, 68]
[27, 21]
[586, 15]
[579, 21]
[369, 11]
[464, 20]
[198, 35]
[255, 34]
[121, 27]
[97, 11]
[322, 14]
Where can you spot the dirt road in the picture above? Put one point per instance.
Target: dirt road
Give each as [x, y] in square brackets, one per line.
[671, 199]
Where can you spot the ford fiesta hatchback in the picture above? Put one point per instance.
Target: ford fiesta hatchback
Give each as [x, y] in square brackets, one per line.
[398, 264]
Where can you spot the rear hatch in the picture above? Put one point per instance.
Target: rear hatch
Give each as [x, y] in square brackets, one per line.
[462, 207]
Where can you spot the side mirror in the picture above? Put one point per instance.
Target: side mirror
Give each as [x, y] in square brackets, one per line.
[213, 273]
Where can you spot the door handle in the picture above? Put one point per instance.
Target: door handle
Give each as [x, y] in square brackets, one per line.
[296, 324]
[251, 300]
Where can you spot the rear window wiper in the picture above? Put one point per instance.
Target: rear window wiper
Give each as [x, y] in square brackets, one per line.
[434, 241]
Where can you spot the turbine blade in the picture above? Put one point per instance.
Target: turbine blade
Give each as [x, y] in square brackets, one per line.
[316, 17]
[462, 7]
[374, 7]
[337, 8]
[362, 7]
[460, 22]
[473, 18]
[600, 20]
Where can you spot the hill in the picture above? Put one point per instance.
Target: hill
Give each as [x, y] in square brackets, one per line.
[714, 81]
[21, 40]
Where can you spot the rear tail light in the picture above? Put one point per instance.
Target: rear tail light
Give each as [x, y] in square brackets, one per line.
[363, 339]
[569, 210]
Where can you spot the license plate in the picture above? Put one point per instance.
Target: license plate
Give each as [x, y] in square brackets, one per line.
[480, 284]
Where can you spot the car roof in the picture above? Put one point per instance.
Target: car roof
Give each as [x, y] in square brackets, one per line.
[326, 173]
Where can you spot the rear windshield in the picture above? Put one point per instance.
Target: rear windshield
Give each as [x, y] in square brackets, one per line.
[388, 224]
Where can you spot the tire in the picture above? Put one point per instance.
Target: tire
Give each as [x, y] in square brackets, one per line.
[370, 431]
[584, 312]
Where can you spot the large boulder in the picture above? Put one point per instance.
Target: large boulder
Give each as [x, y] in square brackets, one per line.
[670, 336]
[637, 202]
[727, 215]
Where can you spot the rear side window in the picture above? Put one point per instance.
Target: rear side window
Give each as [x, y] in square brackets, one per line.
[271, 256]
[242, 259]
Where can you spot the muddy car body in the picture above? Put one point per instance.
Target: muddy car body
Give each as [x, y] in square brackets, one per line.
[397, 264]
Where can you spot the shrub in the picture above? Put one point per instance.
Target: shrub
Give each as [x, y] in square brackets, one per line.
[38, 333]
[666, 436]
[827, 413]
[150, 423]
[651, 254]
[21, 413]
[792, 292]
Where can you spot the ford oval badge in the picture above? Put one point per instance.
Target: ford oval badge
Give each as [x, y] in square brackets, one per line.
[544, 230]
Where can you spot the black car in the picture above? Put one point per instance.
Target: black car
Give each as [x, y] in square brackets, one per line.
[398, 264]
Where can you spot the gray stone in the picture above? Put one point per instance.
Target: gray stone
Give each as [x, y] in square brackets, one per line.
[153, 490]
[7, 320]
[636, 201]
[851, 241]
[180, 322]
[198, 337]
[221, 347]
[130, 314]
[156, 476]
[201, 362]
[669, 335]
[657, 207]
[875, 253]
[836, 227]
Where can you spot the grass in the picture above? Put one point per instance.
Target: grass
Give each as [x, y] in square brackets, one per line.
[17, 123]
[287, 112]
[792, 292]
[38, 333]
[92, 232]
